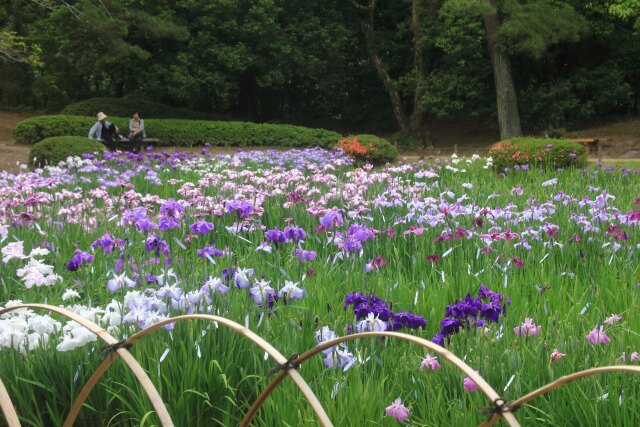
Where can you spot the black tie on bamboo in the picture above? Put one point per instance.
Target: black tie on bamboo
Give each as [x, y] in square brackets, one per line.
[109, 349]
[500, 406]
[285, 366]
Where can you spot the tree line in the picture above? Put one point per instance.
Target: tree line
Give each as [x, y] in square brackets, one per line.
[390, 64]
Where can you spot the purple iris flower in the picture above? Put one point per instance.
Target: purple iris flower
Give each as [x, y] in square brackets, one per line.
[305, 255]
[487, 306]
[294, 233]
[214, 285]
[262, 293]
[209, 250]
[105, 242]
[275, 236]
[228, 273]
[360, 232]
[119, 263]
[168, 223]
[202, 227]
[331, 219]
[242, 208]
[171, 208]
[144, 224]
[409, 320]
[79, 258]
[352, 245]
[363, 305]
[154, 243]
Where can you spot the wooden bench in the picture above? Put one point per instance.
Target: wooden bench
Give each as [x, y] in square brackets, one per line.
[125, 144]
[591, 144]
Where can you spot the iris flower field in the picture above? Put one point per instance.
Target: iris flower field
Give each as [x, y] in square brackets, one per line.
[526, 275]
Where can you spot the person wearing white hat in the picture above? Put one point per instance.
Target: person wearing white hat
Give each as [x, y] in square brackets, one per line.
[104, 131]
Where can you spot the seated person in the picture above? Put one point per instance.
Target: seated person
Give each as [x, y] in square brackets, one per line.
[105, 132]
[136, 127]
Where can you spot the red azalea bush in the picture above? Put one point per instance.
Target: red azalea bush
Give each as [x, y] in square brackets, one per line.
[538, 152]
[368, 149]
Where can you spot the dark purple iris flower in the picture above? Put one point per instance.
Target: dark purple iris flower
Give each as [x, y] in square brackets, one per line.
[364, 305]
[228, 274]
[407, 319]
[154, 243]
[79, 258]
[487, 306]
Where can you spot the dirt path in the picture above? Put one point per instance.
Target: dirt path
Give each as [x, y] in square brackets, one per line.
[10, 152]
[624, 143]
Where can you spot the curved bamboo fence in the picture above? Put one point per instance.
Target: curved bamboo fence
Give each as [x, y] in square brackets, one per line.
[502, 409]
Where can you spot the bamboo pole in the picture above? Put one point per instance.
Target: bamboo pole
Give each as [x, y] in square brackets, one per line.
[247, 333]
[560, 382]
[141, 375]
[9, 412]
[440, 351]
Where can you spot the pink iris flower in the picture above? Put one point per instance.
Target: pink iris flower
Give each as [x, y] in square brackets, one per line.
[397, 410]
[527, 328]
[556, 355]
[614, 318]
[597, 336]
[469, 384]
[431, 362]
[413, 230]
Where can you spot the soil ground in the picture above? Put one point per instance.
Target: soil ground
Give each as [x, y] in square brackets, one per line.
[466, 136]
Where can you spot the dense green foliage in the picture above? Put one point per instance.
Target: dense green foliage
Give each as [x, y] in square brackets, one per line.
[123, 107]
[289, 60]
[183, 132]
[538, 152]
[51, 151]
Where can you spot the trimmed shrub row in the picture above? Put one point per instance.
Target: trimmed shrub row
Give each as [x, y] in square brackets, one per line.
[123, 107]
[538, 152]
[51, 151]
[177, 132]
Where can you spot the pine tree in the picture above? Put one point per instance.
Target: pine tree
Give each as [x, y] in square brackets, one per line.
[517, 28]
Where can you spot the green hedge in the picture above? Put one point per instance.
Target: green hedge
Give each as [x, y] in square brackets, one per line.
[123, 107]
[51, 151]
[175, 132]
[538, 152]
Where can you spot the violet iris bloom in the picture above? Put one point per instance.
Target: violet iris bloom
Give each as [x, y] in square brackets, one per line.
[202, 227]
[242, 208]
[79, 258]
[275, 236]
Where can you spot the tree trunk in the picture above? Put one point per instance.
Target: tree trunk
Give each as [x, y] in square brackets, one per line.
[506, 100]
[383, 73]
[417, 115]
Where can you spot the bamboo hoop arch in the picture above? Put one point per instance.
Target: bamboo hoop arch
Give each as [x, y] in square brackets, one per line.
[132, 363]
[440, 351]
[9, 412]
[285, 367]
[560, 382]
[252, 336]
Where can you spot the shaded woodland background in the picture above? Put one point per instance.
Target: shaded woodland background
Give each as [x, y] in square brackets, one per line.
[381, 65]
